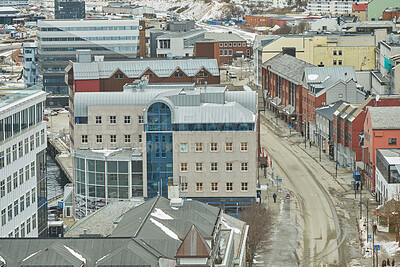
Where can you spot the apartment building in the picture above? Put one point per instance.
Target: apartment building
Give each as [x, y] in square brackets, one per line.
[68, 9]
[178, 44]
[59, 40]
[23, 184]
[387, 174]
[336, 7]
[137, 142]
[30, 63]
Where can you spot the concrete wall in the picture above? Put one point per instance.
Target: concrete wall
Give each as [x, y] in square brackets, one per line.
[344, 92]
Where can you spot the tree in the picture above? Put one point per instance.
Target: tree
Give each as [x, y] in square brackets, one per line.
[260, 221]
[392, 212]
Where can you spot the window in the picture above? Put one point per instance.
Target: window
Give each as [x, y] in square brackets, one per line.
[392, 141]
[113, 119]
[230, 44]
[184, 166]
[199, 147]
[244, 187]
[21, 176]
[140, 138]
[42, 137]
[20, 149]
[243, 146]
[98, 119]
[22, 203]
[33, 195]
[199, 166]
[8, 155]
[15, 180]
[340, 63]
[84, 139]
[27, 172]
[243, 44]
[113, 138]
[234, 44]
[9, 212]
[184, 187]
[199, 187]
[26, 143]
[229, 147]
[244, 166]
[239, 44]
[214, 166]
[14, 152]
[16, 232]
[221, 44]
[1, 159]
[32, 169]
[335, 62]
[229, 187]
[340, 52]
[230, 52]
[8, 184]
[226, 44]
[37, 136]
[32, 142]
[214, 187]
[228, 166]
[214, 147]
[99, 138]
[334, 52]
[127, 119]
[3, 217]
[28, 199]
[221, 52]
[33, 221]
[16, 208]
[3, 188]
[28, 226]
[178, 75]
[118, 76]
[184, 147]
[140, 119]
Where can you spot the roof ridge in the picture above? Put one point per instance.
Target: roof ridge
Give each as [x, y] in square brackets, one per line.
[147, 216]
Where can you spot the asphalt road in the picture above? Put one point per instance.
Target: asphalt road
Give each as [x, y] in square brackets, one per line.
[320, 234]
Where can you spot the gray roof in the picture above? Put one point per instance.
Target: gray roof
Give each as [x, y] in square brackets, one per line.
[288, 67]
[136, 68]
[326, 76]
[327, 111]
[385, 118]
[184, 35]
[224, 37]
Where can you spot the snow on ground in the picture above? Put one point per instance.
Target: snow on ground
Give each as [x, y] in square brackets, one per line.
[165, 229]
[160, 214]
[106, 152]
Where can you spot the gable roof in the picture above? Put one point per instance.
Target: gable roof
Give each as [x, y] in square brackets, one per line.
[385, 118]
[327, 111]
[136, 68]
[288, 67]
[193, 245]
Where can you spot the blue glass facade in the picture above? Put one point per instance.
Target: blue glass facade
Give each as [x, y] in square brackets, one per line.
[159, 149]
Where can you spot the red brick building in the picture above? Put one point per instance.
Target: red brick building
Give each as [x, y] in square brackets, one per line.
[391, 13]
[282, 79]
[265, 20]
[224, 47]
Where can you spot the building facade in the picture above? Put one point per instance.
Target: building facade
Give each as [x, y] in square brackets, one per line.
[178, 44]
[59, 40]
[23, 183]
[14, 3]
[336, 7]
[387, 174]
[71, 10]
[30, 63]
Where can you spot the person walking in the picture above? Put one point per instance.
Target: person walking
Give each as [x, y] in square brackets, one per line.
[358, 185]
[274, 196]
[310, 143]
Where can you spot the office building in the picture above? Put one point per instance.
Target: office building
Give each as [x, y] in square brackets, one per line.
[387, 174]
[23, 184]
[30, 63]
[177, 44]
[336, 7]
[9, 15]
[137, 142]
[59, 40]
[14, 3]
[68, 9]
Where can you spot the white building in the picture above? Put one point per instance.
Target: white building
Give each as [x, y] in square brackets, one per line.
[30, 63]
[387, 174]
[321, 7]
[23, 187]
[178, 44]
[14, 3]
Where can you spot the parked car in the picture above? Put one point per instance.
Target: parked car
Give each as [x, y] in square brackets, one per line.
[52, 217]
[232, 75]
[45, 118]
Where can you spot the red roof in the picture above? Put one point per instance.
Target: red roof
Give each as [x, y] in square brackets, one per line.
[360, 7]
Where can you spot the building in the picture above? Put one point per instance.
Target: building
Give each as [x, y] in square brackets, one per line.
[202, 139]
[14, 3]
[178, 44]
[391, 14]
[128, 9]
[377, 7]
[369, 27]
[224, 47]
[69, 9]
[102, 76]
[269, 20]
[336, 7]
[357, 51]
[381, 130]
[59, 40]
[282, 80]
[387, 174]
[360, 11]
[155, 233]
[10, 15]
[30, 63]
[324, 86]
[23, 183]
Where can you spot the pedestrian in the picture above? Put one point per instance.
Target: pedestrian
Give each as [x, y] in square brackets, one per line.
[383, 263]
[393, 262]
[388, 262]
[310, 143]
[302, 134]
[274, 196]
[358, 185]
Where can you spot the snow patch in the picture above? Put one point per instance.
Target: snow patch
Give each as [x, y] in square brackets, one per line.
[3, 260]
[107, 152]
[165, 229]
[160, 214]
[312, 77]
[174, 208]
[76, 254]
[226, 225]
[390, 247]
[102, 258]
[30, 256]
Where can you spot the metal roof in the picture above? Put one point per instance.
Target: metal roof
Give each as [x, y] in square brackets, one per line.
[328, 75]
[327, 111]
[385, 118]
[136, 68]
[223, 37]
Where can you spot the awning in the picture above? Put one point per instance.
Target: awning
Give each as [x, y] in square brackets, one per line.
[289, 109]
[276, 101]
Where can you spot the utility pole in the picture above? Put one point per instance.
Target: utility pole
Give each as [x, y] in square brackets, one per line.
[320, 145]
[367, 218]
[360, 203]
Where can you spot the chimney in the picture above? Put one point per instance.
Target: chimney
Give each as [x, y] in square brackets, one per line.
[142, 38]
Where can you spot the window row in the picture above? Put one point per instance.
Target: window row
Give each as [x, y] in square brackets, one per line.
[25, 228]
[113, 119]
[16, 151]
[19, 121]
[18, 206]
[229, 186]
[234, 44]
[13, 181]
[244, 166]
[198, 147]
[113, 138]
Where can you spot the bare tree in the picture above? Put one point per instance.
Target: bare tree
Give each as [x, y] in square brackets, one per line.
[285, 29]
[260, 221]
[392, 212]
